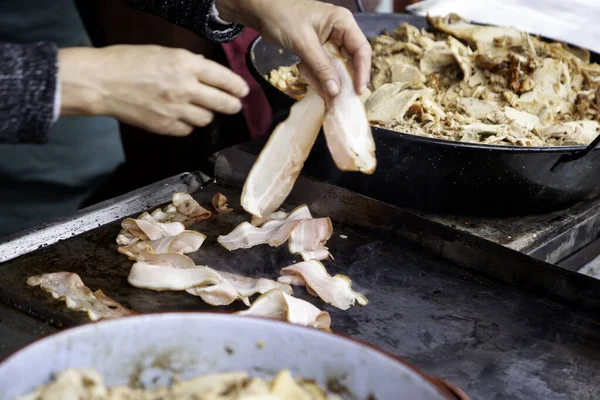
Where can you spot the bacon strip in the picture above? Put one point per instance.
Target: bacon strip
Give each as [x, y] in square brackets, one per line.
[335, 290]
[186, 205]
[309, 238]
[69, 287]
[236, 287]
[219, 202]
[146, 228]
[276, 169]
[275, 304]
[346, 126]
[160, 277]
[274, 233]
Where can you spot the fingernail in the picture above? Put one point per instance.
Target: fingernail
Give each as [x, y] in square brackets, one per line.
[332, 87]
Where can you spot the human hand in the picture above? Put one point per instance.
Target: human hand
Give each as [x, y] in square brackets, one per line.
[163, 90]
[302, 27]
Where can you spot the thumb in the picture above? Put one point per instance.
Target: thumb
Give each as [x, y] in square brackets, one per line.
[316, 59]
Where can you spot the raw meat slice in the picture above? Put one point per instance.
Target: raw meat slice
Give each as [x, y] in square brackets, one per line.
[186, 205]
[219, 202]
[160, 277]
[69, 287]
[274, 232]
[346, 126]
[275, 304]
[335, 290]
[234, 287]
[274, 173]
[309, 238]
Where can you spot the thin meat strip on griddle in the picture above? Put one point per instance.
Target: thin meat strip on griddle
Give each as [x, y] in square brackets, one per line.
[335, 290]
[305, 236]
[69, 287]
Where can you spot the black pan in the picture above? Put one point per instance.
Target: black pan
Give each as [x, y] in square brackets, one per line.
[439, 175]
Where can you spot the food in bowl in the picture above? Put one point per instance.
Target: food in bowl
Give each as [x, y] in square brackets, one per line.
[476, 84]
[88, 384]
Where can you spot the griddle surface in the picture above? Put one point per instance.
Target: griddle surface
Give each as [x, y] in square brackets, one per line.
[492, 340]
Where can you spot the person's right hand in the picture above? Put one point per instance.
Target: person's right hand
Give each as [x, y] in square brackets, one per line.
[163, 90]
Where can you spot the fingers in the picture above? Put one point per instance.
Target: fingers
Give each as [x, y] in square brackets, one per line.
[194, 115]
[312, 80]
[179, 128]
[348, 35]
[215, 100]
[220, 77]
[316, 59]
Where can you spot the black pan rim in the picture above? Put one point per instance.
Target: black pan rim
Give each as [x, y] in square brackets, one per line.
[250, 55]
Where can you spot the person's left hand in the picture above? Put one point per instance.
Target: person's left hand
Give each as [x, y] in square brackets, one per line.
[302, 27]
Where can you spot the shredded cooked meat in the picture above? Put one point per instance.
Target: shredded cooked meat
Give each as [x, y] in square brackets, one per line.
[477, 84]
[87, 383]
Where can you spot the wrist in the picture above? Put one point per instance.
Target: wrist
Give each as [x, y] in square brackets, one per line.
[239, 12]
[78, 81]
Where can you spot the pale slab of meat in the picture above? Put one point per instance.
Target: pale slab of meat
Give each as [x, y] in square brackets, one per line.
[160, 277]
[276, 169]
[301, 212]
[69, 287]
[481, 36]
[274, 232]
[552, 86]
[236, 287]
[186, 205]
[125, 238]
[183, 243]
[309, 238]
[524, 119]
[462, 54]
[404, 73]
[346, 126]
[437, 58]
[575, 132]
[246, 235]
[141, 252]
[476, 108]
[275, 304]
[146, 228]
[219, 202]
[169, 214]
[391, 102]
[335, 290]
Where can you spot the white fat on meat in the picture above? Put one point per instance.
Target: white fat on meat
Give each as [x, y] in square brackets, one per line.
[236, 287]
[186, 205]
[276, 304]
[219, 202]
[183, 243]
[346, 126]
[309, 238]
[69, 287]
[147, 228]
[161, 276]
[169, 214]
[125, 238]
[276, 169]
[335, 290]
[273, 232]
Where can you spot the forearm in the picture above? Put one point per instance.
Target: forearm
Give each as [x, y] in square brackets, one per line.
[194, 15]
[28, 89]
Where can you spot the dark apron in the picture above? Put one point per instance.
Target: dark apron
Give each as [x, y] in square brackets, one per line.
[41, 182]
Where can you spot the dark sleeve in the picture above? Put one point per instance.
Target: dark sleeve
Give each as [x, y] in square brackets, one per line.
[28, 78]
[190, 14]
